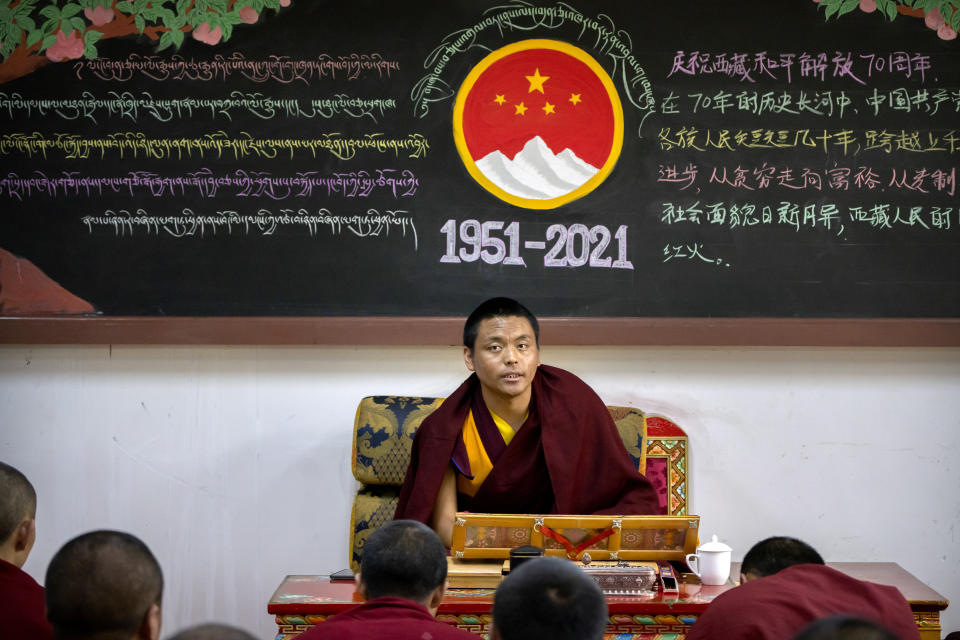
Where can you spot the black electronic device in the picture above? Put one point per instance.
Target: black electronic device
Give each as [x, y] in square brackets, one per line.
[519, 555]
[668, 579]
[344, 575]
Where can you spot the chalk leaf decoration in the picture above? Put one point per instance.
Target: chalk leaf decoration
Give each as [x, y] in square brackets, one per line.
[943, 16]
[36, 32]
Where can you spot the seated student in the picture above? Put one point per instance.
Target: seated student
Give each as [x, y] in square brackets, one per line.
[212, 631]
[22, 613]
[845, 628]
[518, 436]
[403, 574]
[104, 584]
[785, 585]
[548, 598]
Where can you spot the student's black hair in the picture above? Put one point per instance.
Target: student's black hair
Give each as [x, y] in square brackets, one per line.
[769, 556]
[497, 308]
[549, 598]
[405, 559]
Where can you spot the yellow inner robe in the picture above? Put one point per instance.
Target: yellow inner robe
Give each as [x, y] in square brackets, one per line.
[480, 465]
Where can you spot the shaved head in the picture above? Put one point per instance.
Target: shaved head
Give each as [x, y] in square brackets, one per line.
[842, 627]
[101, 585]
[213, 631]
[774, 554]
[549, 598]
[18, 500]
[405, 559]
[497, 308]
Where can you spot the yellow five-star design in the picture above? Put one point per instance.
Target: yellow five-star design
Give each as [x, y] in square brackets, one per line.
[547, 108]
[536, 81]
[575, 98]
[520, 109]
[500, 99]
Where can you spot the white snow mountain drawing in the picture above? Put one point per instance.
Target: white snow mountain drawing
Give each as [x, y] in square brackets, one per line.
[536, 172]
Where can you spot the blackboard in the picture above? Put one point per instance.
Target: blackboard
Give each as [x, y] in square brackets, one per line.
[772, 164]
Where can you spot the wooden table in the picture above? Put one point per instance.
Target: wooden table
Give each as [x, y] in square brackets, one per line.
[302, 601]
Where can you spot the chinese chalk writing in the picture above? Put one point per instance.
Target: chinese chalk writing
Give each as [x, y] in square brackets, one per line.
[844, 141]
[826, 103]
[836, 178]
[751, 67]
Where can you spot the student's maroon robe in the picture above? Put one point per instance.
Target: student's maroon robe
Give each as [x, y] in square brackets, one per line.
[779, 606]
[386, 617]
[22, 608]
[568, 458]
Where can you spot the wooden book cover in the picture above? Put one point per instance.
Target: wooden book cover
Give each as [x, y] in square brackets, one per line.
[474, 574]
[636, 538]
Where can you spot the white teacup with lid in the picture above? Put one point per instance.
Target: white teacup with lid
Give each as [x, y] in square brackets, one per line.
[711, 562]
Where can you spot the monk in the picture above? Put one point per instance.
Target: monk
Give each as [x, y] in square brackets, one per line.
[518, 436]
[841, 627]
[104, 584]
[785, 585]
[402, 579]
[22, 610]
[549, 598]
[213, 631]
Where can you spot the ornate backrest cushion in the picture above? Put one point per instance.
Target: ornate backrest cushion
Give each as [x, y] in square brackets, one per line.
[383, 436]
[632, 425]
[373, 507]
[384, 427]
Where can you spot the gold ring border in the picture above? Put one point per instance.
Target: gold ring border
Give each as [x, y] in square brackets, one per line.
[503, 52]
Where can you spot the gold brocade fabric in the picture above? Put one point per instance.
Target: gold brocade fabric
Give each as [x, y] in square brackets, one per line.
[383, 436]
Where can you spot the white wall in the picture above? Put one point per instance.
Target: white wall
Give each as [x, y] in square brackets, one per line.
[232, 463]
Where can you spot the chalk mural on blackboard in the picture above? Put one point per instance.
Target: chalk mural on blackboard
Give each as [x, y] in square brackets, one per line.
[592, 158]
[34, 33]
[25, 291]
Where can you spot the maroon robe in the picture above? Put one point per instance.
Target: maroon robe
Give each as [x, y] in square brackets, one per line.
[386, 617]
[22, 608]
[779, 606]
[568, 458]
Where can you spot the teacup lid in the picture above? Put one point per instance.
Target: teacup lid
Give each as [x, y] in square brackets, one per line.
[714, 545]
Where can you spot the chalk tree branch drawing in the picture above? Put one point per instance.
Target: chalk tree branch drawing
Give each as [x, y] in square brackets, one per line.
[34, 32]
[940, 15]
